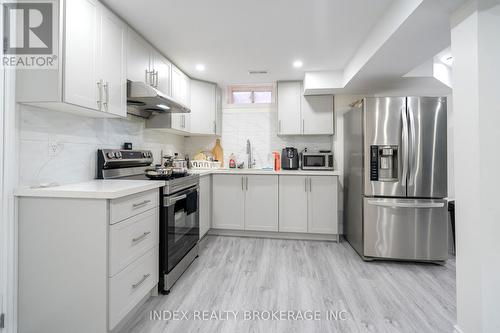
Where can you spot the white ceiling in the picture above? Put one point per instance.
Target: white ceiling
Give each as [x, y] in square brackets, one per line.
[233, 36]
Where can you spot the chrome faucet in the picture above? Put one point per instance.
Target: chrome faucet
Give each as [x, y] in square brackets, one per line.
[251, 161]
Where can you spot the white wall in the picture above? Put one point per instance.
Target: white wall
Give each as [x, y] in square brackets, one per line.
[78, 139]
[476, 71]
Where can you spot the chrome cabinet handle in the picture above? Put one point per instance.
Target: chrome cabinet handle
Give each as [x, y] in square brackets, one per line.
[279, 126]
[156, 79]
[141, 237]
[215, 127]
[141, 203]
[303, 126]
[106, 91]
[305, 184]
[141, 281]
[99, 90]
[146, 77]
[242, 183]
[310, 184]
[246, 181]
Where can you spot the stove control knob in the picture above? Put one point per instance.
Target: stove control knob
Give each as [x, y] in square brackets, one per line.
[150, 154]
[144, 154]
[118, 154]
[110, 155]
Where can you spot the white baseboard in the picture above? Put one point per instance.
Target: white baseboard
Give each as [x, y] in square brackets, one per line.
[274, 235]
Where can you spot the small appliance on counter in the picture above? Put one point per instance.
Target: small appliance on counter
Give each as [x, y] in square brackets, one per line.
[289, 158]
[317, 160]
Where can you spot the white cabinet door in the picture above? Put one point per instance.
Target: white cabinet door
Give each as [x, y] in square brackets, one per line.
[289, 120]
[261, 202]
[81, 81]
[317, 114]
[205, 204]
[322, 205]
[203, 107]
[161, 73]
[218, 112]
[180, 86]
[138, 58]
[228, 202]
[293, 192]
[112, 63]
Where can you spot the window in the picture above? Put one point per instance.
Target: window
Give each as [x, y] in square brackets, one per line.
[251, 94]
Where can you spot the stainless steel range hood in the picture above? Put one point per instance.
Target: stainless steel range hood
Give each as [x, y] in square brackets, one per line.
[143, 100]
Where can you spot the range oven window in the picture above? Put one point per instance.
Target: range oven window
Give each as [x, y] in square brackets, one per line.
[314, 161]
[181, 228]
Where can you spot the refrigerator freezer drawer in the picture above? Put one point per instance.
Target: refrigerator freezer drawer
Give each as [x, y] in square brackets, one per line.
[407, 229]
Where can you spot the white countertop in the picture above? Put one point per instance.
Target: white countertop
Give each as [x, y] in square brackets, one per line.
[94, 189]
[266, 172]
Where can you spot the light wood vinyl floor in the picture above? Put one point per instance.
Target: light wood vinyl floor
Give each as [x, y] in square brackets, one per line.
[246, 274]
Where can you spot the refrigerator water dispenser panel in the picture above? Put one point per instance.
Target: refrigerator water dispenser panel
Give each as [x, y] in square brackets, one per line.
[384, 163]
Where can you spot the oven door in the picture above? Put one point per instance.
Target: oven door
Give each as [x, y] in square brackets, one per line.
[179, 227]
[314, 162]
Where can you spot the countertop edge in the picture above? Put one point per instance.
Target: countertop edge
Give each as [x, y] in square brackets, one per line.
[81, 194]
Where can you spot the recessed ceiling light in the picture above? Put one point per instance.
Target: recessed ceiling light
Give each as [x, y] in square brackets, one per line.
[200, 67]
[297, 64]
[163, 106]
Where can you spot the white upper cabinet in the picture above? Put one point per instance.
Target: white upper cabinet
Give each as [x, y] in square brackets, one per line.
[303, 115]
[161, 73]
[112, 60]
[180, 86]
[289, 119]
[218, 111]
[203, 108]
[317, 114]
[138, 58]
[82, 85]
[91, 77]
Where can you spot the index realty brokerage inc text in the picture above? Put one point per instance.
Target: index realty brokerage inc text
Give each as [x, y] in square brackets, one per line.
[249, 315]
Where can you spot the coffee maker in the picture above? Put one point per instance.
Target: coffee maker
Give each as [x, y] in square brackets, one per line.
[289, 158]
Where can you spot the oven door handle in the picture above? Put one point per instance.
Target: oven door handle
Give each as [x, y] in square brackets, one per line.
[173, 200]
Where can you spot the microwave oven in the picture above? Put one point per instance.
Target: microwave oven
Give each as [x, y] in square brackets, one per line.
[317, 161]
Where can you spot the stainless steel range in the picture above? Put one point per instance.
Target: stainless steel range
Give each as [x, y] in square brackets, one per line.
[179, 202]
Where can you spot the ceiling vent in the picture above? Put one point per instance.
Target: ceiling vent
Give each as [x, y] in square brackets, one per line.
[257, 72]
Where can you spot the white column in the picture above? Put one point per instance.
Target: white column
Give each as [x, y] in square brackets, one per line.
[476, 99]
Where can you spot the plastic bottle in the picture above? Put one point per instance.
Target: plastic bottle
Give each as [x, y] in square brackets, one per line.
[232, 161]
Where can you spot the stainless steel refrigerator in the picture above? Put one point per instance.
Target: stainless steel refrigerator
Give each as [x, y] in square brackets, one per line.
[395, 178]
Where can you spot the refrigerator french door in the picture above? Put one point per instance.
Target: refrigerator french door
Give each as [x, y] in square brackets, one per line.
[405, 178]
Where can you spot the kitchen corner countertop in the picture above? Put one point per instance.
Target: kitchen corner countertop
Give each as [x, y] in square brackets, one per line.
[94, 189]
[266, 172]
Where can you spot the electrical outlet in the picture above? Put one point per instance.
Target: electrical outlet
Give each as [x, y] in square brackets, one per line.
[54, 147]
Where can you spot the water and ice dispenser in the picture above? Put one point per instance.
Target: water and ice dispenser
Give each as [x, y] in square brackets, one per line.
[384, 163]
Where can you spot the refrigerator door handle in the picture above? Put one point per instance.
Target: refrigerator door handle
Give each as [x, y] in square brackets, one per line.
[412, 145]
[404, 143]
[399, 204]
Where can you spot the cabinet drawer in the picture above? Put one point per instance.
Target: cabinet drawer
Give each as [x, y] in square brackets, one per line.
[123, 208]
[131, 238]
[128, 287]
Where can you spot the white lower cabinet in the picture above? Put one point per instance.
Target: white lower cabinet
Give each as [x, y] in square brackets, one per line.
[261, 202]
[93, 260]
[228, 202]
[309, 204]
[205, 204]
[245, 202]
[322, 211]
[293, 203]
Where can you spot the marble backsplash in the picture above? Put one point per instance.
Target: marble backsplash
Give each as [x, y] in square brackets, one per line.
[77, 140]
[260, 127]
